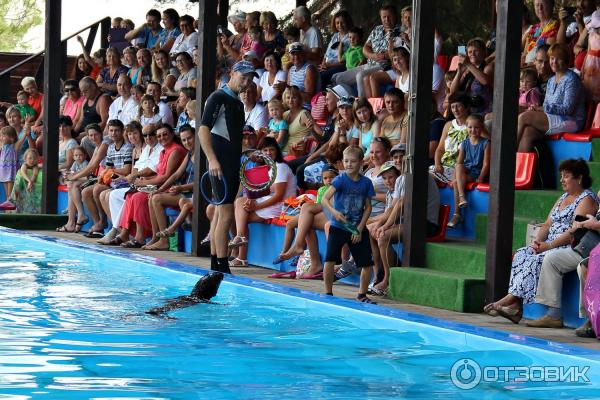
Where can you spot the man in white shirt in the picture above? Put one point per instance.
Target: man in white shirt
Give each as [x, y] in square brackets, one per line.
[310, 37]
[257, 115]
[154, 89]
[124, 108]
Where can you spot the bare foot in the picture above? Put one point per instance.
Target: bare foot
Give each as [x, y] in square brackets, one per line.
[158, 245]
[292, 252]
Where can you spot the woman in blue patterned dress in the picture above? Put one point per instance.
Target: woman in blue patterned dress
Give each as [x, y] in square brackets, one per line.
[554, 234]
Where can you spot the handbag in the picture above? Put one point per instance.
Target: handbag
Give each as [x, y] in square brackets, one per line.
[584, 240]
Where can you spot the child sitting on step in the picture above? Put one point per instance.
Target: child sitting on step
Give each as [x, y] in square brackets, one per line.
[472, 165]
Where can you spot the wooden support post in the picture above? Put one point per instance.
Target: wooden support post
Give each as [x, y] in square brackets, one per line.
[104, 29]
[89, 43]
[503, 155]
[300, 3]
[415, 198]
[54, 62]
[223, 12]
[207, 44]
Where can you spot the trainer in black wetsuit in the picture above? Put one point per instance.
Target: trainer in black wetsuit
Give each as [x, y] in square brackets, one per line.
[220, 136]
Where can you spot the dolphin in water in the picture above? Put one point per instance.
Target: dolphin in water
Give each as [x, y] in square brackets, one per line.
[205, 289]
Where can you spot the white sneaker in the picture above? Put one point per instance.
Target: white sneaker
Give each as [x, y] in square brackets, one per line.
[109, 236]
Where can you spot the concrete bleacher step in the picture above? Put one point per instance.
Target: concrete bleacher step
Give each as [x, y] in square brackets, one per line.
[519, 230]
[535, 204]
[448, 290]
[595, 171]
[456, 257]
[596, 149]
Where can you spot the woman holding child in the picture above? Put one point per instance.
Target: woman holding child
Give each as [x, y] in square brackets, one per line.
[263, 208]
[564, 105]
[577, 199]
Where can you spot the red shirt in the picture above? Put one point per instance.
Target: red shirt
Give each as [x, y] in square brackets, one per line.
[36, 102]
[165, 153]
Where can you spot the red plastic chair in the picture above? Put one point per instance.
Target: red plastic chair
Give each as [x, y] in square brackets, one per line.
[592, 121]
[440, 235]
[525, 167]
[376, 103]
[63, 188]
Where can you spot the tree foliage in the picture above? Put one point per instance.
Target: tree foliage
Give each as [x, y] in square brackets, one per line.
[16, 18]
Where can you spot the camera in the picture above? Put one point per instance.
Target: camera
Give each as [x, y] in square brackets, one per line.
[335, 45]
[220, 30]
[396, 32]
[570, 10]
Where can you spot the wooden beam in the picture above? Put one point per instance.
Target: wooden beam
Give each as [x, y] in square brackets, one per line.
[223, 12]
[415, 197]
[104, 29]
[207, 45]
[503, 154]
[300, 3]
[54, 62]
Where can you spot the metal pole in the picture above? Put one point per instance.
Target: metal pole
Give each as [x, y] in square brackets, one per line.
[415, 198]
[53, 68]
[503, 154]
[207, 45]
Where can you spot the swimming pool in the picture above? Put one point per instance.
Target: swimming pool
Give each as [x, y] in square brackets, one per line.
[72, 326]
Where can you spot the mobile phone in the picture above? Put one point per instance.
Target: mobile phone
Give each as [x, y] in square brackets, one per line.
[570, 10]
[462, 50]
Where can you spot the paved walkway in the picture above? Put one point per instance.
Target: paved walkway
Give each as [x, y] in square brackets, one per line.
[560, 335]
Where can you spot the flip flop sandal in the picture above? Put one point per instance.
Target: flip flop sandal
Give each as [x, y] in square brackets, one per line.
[317, 276]
[294, 261]
[236, 262]
[63, 229]
[379, 292]
[365, 299]
[511, 314]
[94, 234]
[116, 241]
[281, 275]
[241, 241]
[132, 244]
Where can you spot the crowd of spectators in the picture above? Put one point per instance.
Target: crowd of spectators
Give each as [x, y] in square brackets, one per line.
[127, 124]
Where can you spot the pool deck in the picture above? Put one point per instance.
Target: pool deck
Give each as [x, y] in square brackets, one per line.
[559, 335]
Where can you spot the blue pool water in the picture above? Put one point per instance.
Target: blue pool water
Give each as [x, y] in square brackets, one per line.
[72, 326]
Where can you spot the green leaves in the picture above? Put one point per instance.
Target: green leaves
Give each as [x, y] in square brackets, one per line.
[16, 18]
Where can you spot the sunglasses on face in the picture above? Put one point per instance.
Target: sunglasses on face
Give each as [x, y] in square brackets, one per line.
[70, 89]
[149, 134]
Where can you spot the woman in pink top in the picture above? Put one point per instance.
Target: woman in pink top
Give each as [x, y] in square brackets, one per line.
[74, 100]
[135, 217]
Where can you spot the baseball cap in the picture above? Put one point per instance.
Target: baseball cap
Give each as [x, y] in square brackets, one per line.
[341, 90]
[389, 165]
[295, 47]
[248, 130]
[345, 101]
[401, 147]
[245, 67]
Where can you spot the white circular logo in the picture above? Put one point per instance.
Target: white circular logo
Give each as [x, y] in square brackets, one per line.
[465, 374]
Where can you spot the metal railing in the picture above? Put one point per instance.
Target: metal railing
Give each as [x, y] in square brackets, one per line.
[103, 24]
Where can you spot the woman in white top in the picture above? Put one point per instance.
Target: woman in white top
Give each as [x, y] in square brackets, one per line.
[266, 207]
[270, 83]
[188, 39]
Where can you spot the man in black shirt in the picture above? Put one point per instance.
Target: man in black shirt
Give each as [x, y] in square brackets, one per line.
[220, 136]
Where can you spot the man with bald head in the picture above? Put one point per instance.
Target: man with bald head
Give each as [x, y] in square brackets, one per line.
[95, 107]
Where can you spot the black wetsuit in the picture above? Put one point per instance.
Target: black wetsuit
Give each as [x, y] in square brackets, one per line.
[224, 115]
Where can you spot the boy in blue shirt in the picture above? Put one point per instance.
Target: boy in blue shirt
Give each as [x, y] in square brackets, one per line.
[351, 193]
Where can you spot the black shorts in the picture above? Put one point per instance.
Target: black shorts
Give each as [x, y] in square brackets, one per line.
[229, 156]
[361, 251]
